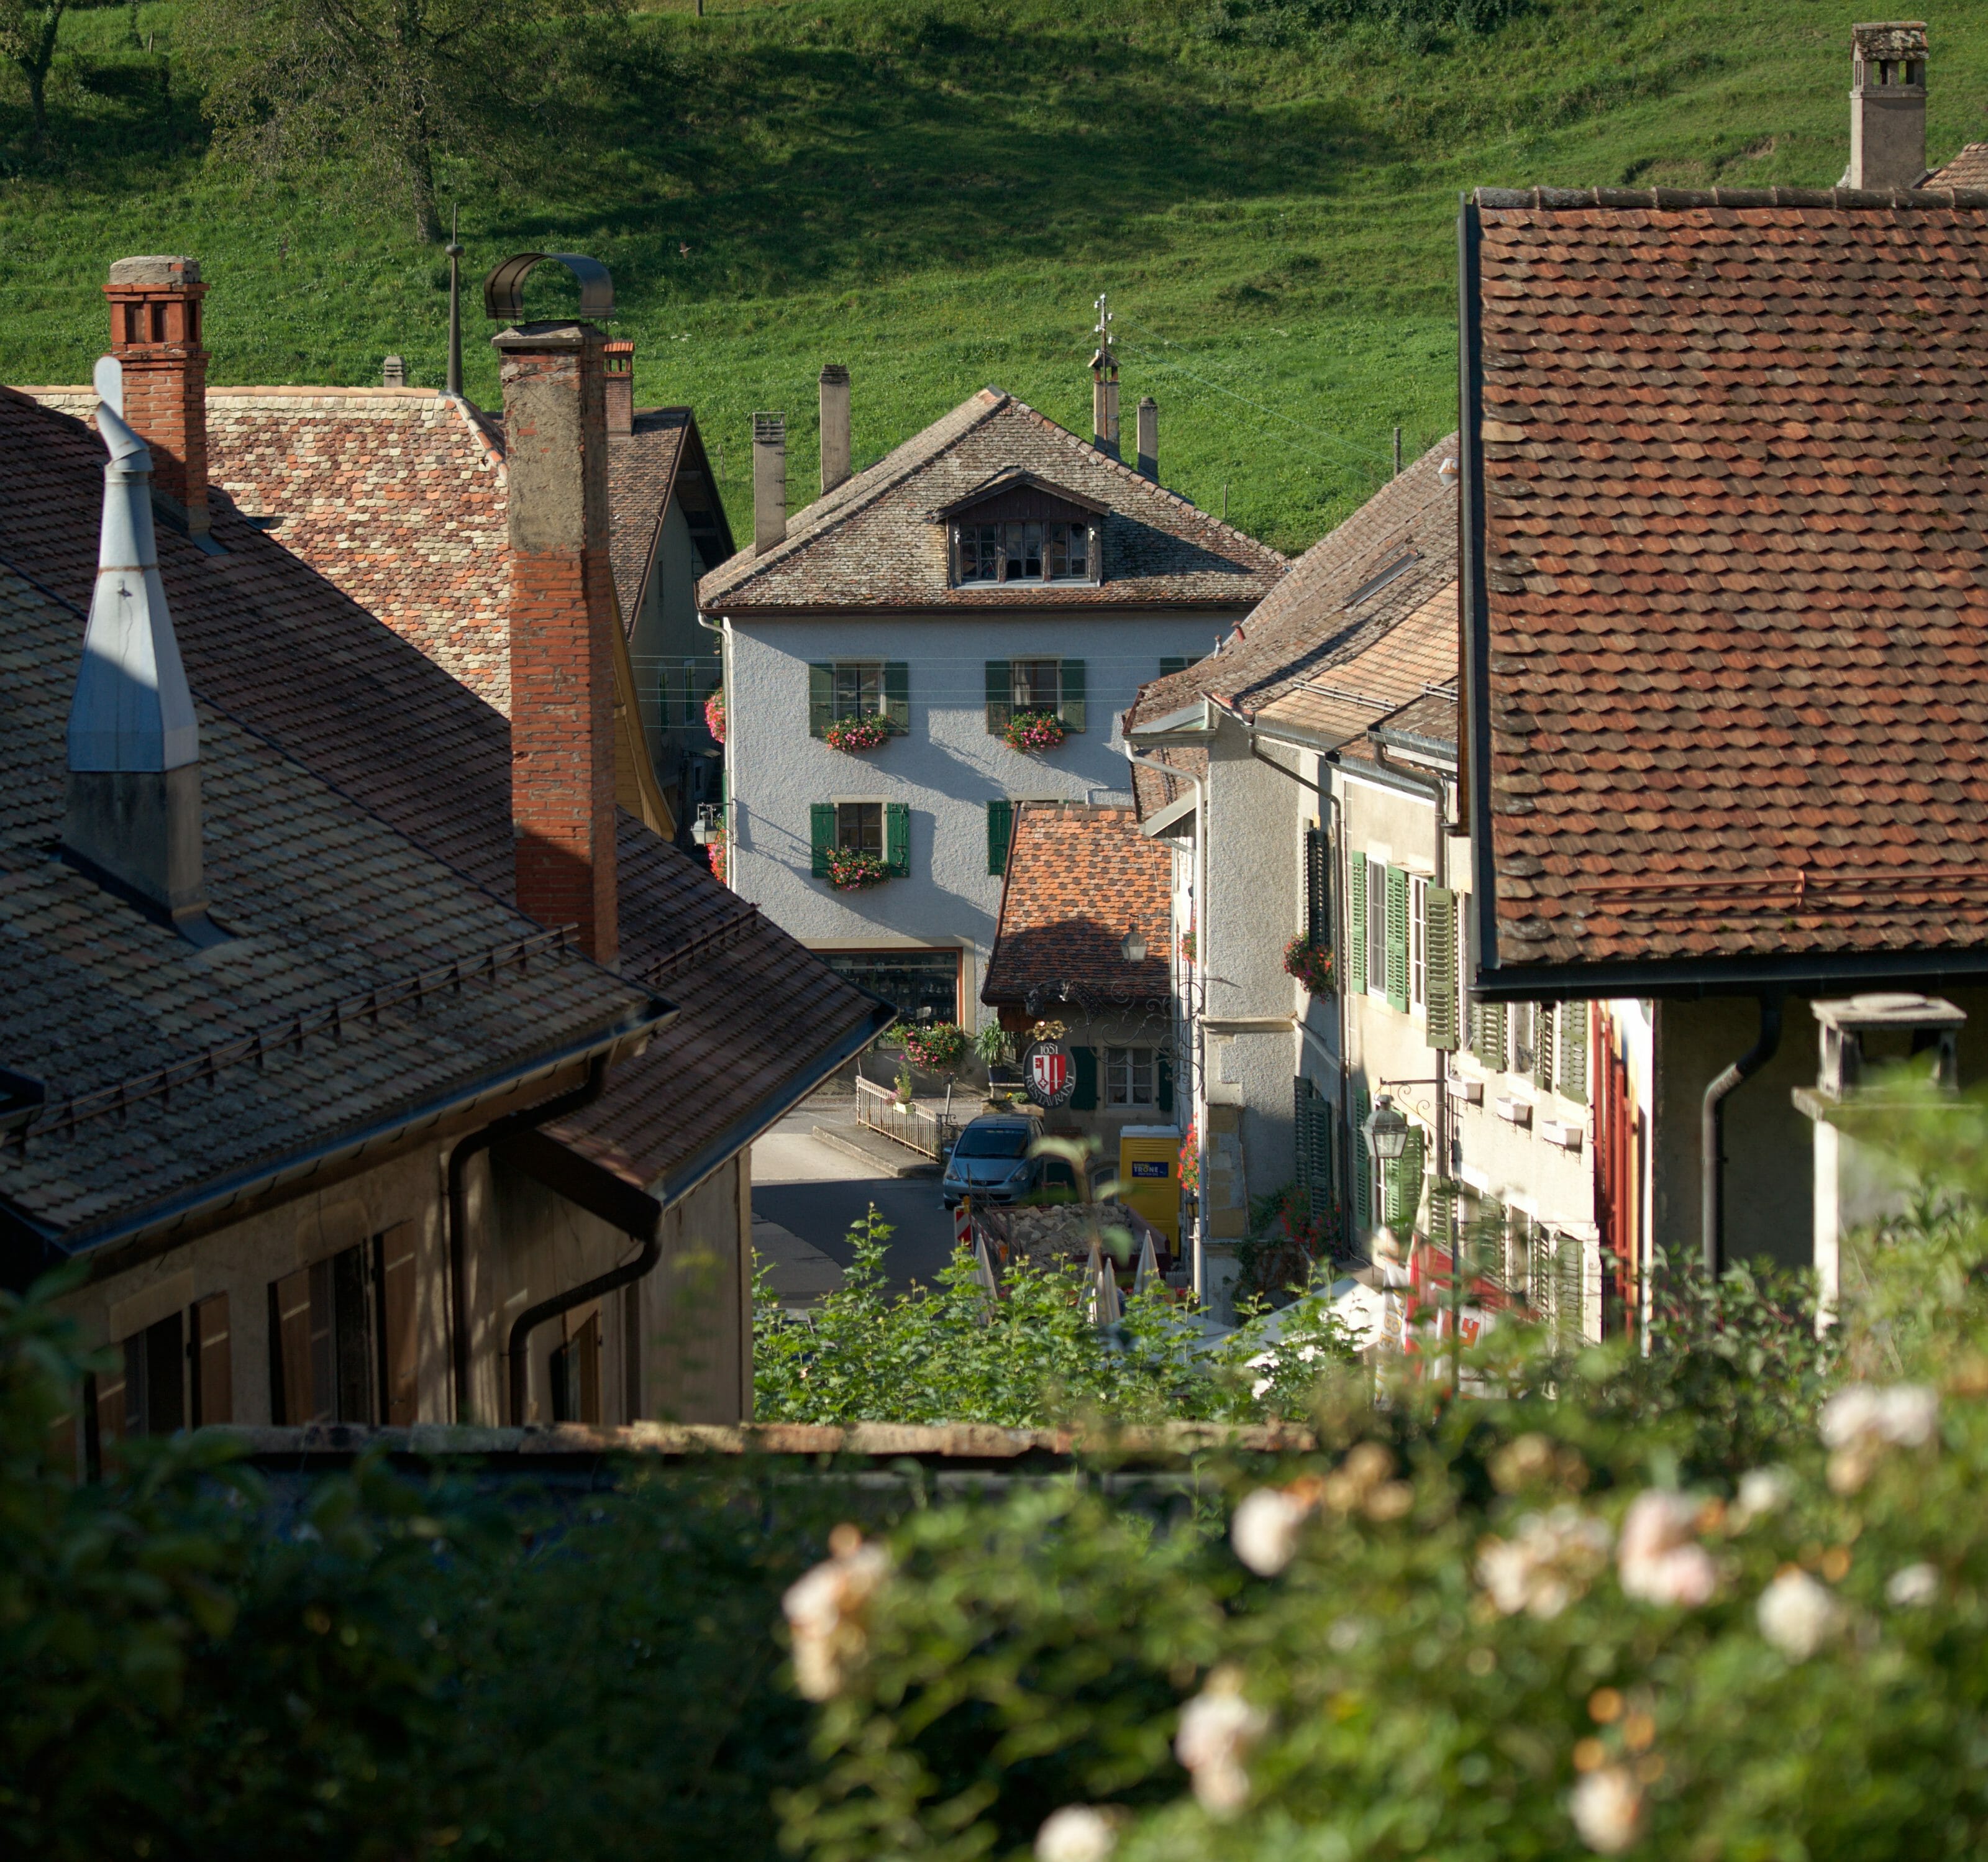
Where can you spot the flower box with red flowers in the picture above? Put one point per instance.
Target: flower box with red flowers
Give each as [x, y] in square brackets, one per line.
[1311, 963]
[1030, 731]
[851, 872]
[713, 715]
[938, 1047]
[864, 733]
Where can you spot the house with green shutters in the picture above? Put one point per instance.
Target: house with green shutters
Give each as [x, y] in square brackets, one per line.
[949, 633]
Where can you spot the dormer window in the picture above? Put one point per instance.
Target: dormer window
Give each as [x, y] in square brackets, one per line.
[1025, 551]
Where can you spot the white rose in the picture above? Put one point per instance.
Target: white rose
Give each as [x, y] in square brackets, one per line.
[1077, 1832]
[1659, 1559]
[1906, 1415]
[1546, 1564]
[1608, 1810]
[1762, 1491]
[1265, 1529]
[1797, 1615]
[1913, 1586]
[1218, 1729]
[825, 1609]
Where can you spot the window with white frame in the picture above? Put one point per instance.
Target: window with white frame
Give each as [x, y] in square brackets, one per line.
[1130, 1075]
[1523, 1021]
[1377, 928]
[1038, 684]
[1418, 941]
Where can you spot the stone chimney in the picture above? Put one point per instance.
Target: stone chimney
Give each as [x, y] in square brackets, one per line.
[155, 339]
[617, 360]
[561, 612]
[1888, 104]
[133, 816]
[394, 372]
[1105, 385]
[1149, 438]
[770, 481]
[834, 426]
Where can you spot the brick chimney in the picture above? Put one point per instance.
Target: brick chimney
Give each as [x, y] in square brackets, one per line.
[155, 337]
[562, 614]
[1149, 438]
[834, 426]
[770, 481]
[618, 359]
[1888, 104]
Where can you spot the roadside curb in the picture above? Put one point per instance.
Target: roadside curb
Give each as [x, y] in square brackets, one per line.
[890, 1160]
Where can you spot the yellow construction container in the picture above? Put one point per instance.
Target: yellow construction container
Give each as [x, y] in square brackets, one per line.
[1149, 1177]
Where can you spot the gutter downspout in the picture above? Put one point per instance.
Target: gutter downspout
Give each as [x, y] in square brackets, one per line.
[535, 1315]
[529, 1119]
[1201, 960]
[1711, 1132]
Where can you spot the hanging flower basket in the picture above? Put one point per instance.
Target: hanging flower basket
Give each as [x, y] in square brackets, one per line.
[713, 715]
[1190, 1162]
[1033, 731]
[1311, 963]
[1187, 946]
[936, 1047]
[864, 733]
[849, 872]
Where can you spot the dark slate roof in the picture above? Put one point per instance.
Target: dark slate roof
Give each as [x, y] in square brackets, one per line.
[661, 455]
[287, 655]
[1078, 880]
[169, 1067]
[1738, 589]
[876, 542]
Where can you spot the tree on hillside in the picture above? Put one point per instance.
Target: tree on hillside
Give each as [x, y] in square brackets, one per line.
[388, 87]
[27, 33]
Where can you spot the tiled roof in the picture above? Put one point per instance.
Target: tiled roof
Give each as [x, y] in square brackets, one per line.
[328, 908]
[646, 466]
[1331, 649]
[296, 660]
[1078, 880]
[1968, 169]
[873, 542]
[1736, 615]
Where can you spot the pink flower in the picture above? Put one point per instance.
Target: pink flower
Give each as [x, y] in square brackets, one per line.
[1659, 1559]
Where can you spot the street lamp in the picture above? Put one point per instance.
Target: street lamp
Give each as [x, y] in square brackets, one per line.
[1132, 947]
[1386, 1132]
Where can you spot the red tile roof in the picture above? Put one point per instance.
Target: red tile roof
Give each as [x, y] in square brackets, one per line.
[1734, 612]
[1078, 880]
[1968, 169]
[295, 659]
[875, 541]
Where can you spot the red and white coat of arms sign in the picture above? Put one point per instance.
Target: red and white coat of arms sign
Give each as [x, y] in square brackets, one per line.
[1048, 1073]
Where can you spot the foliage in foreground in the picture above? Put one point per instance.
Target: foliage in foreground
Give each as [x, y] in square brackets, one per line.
[1032, 1358]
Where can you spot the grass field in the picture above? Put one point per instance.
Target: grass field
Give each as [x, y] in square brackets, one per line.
[933, 191]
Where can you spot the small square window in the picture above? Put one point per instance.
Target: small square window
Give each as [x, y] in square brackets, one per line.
[1038, 684]
[1128, 1075]
[859, 827]
[858, 688]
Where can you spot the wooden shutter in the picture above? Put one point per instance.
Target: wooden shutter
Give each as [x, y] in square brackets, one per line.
[1000, 696]
[1574, 1035]
[1084, 1062]
[897, 839]
[213, 1368]
[291, 1386]
[1490, 1047]
[1356, 923]
[821, 837]
[103, 1398]
[400, 1361]
[1071, 709]
[897, 695]
[1401, 1185]
[1546, 1020]
[1442, 1213]
[1000, 828]
[1396, 922]
[1362, 1212]
[821, 698]
[1439, 949]
[1163, 1082]
[1318, 888]
[1172, 663]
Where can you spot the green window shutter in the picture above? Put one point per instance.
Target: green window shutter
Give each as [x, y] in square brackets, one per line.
[1362, 1211]
[897, 839]
[1401, 1186]
[1442, 1213]
[1071, 710]
[1000, 826]
[1000, 696]
[1301, 1130]
[1084, 1099]
[1574, 1038]
[1172, 663]
[1356, 923]
[1546, 1019]
[1439, 945]
[1491, 1035]
[897, 695]
[1397, 940]
[821, 698]
[1164, 1088]
[821, 835]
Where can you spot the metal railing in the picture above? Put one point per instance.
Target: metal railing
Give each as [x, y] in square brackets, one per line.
[880, 1110]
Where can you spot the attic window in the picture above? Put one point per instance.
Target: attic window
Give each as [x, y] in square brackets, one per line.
[1027, 550]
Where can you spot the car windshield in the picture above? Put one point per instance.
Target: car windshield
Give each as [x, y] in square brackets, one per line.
[993, 1141]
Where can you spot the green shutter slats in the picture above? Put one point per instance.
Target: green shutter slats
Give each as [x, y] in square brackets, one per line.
[1573, 1039]
[897, 840]
[1084, 1098]
[1000, 696]
[1397, 904]
[1442, 1213]
[1490, 1047]
[1362, 1211]
[1401, 1186]
[1439, 945]
[897, 695]
[821, 698]
[1318, 888]
[1000, 829]
[1545, 1021]
[1071, 710]
[1356, 923]
[821, 835]
[1164, 1095]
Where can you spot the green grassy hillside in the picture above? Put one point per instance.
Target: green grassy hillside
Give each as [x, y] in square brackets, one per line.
[933, 191]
